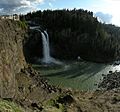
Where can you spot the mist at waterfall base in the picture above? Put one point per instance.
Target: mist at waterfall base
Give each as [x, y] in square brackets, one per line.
[47, 59]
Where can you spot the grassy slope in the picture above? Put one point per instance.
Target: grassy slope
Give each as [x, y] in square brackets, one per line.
[7, 106]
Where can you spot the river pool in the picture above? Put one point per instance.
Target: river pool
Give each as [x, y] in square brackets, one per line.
[77, 75]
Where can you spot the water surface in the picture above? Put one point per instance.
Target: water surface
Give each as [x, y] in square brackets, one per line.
[76, 75]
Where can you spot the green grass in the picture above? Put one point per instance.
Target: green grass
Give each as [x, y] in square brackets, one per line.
[53, 105]
[22, 24]
[7, 106]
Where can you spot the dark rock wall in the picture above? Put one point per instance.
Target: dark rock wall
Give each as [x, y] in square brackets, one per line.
[33, 46]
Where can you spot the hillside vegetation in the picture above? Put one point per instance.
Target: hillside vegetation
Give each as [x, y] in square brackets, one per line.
[76, 33]
[8, 106]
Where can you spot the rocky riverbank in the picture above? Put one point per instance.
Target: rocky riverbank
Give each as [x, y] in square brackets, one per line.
[110, 81]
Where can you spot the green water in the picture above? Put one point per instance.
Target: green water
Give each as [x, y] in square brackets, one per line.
[76, 75]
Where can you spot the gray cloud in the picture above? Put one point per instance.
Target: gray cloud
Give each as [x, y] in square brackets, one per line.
[107, 18]
[13, 6]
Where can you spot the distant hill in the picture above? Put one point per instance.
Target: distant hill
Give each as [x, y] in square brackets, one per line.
[76, 33]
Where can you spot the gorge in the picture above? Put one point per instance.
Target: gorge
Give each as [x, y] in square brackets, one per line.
[77, 74]
[80, 33]
[35, 87]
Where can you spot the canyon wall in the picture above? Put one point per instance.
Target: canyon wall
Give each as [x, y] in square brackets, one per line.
[11, 56]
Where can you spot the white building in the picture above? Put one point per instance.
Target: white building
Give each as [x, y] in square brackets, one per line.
[14, 17]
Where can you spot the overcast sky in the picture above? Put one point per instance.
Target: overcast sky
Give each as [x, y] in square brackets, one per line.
[106, 10]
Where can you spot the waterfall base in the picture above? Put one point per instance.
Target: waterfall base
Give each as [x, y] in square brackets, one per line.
[50, 61]
[47, 59]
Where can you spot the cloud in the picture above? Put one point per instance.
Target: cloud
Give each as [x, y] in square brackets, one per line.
[50, 4]
[107, 18]
[1, 9]
[113, 7]
[14, 6]
[110, 7]
[112, 1]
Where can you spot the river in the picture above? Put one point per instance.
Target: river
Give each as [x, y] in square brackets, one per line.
[76, 75]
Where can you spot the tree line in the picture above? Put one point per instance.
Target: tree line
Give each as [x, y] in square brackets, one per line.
[76, 33]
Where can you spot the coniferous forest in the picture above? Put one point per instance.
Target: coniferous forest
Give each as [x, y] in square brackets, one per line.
[76, 33]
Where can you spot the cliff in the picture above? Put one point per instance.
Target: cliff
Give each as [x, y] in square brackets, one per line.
[18, 81]
[11, 56]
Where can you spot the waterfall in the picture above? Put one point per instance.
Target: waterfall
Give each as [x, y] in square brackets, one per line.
[47, 59]
[46, 48]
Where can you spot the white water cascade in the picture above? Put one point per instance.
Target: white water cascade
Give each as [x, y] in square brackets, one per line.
[47, 59]
[46, 48]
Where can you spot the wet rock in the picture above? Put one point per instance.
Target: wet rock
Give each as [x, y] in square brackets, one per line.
[103, 74]
[110, 81]
[110, 71]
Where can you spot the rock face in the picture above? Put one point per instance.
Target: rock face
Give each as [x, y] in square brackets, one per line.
[33, 46]
[11, 56]
[18, 81]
